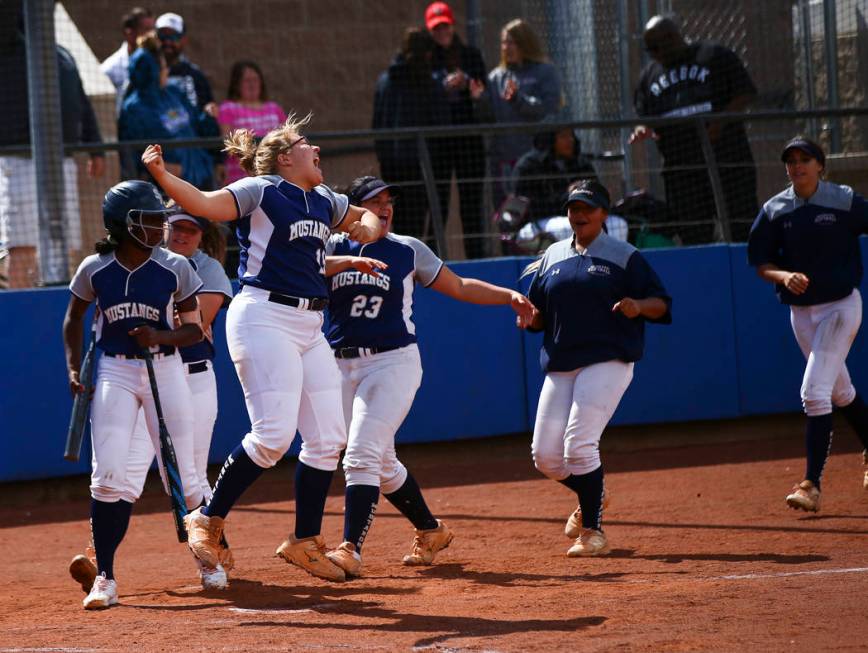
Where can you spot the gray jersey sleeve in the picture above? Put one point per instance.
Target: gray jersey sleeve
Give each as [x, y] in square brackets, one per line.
[333, 242]
[340, 203]
[81, 285]
[428, 265]
[248, 193]
[189, 282]
[214, 279]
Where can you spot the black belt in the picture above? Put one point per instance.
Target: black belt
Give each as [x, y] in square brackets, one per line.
[312, 304]
[196, 368]
[358, 352]
[138, 357]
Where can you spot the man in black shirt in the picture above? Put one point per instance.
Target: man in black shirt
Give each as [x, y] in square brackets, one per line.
[685, 79]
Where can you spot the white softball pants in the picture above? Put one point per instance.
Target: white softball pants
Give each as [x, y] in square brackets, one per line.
[378, 392]
[574, 408]
[122, 388]
[290, 380]
[825, 333]
[203, 387]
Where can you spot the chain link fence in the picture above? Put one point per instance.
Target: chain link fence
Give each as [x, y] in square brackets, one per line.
[482, 174]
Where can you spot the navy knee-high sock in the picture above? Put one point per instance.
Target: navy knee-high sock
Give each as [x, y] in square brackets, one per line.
[108, 523]
[856, 414]
[311, 490]
[238, 473]
[360, 507]
[818, 440]
[409, 501]
[589, 487]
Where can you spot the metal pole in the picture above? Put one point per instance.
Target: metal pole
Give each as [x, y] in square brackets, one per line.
[46, 137]
[830, 30]
[474, 24]
[807, 46]
[433, 198]
[626, 90]
[722, 218]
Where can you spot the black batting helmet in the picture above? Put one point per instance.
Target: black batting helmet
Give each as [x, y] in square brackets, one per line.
[125, 203]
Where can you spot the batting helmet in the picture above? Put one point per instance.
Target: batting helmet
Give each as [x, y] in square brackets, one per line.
[125, 204]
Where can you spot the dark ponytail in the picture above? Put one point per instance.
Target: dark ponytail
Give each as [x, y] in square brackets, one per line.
[108, 244]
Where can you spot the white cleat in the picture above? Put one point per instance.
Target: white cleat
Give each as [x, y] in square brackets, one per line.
[103, 594]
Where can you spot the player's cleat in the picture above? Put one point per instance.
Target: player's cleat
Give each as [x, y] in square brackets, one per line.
[309, 553]
[426, 544]
[589, 543]
[346, 558]
[213, 578]
[574, 524]
[103, 594]
[227, 560]
[805, 496]
[83, 571]
[203, 536]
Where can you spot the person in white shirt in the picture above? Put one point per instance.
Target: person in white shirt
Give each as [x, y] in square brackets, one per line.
[135, 23]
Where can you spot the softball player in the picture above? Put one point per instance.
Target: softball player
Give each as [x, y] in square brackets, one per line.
[593, 294]
[805, 240]
[286, 368]
[374, 339]
[136, 284]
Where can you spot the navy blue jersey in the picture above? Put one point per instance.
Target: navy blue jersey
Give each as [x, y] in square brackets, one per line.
[369, 311]
[282, 231]
[130, 298]
[575, 294]
[214, 280]
[818, 237]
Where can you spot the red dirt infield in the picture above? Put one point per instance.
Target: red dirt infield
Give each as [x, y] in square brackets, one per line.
[706, 556]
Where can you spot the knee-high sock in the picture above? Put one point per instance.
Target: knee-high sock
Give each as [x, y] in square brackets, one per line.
[311, 490]
[818, 440]
[108, 522]
[409, 501]
[589, 487]
[238, 473]
[360, 508]
[856, 414]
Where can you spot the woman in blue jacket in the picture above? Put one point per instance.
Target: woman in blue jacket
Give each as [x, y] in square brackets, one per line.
[155, 111]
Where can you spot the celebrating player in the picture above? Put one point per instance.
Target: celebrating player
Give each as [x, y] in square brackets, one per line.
[374, 339]
[805, 240]
[286, 368]
[593, 294]
[135, 283]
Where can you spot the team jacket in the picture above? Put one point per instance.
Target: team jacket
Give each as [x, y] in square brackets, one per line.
[282, 232]
[575, 294]
[129, 298]
[818, 237]
[369, 311]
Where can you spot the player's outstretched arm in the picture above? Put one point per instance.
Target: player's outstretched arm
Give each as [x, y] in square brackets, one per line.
[73, 325]
[218, 205]
[475, 291]
[337, 264]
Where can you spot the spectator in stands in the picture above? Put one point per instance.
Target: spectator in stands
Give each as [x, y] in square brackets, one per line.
[461, 70]
[685, 79]
[543, 173]
[523, 88]
[137, 22]
[156, 111]
[184, 74]
[407, 95]
[247, 107]
[19, 218]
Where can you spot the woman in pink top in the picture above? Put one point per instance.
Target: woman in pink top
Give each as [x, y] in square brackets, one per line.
[247, 107]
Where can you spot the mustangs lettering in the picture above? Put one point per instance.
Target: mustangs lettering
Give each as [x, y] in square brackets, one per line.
[131, 309]
[309, 228]
[359, 278]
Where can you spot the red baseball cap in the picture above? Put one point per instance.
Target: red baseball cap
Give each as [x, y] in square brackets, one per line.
[438, 13]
